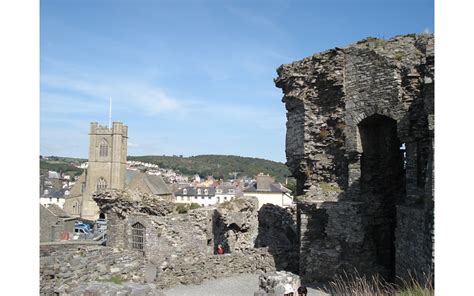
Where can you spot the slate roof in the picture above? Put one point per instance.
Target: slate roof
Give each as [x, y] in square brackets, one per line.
[226, 187]
[151, 184]
[76, 188]
[56, 210]
[54, 193]
[192, 191]
[268, 187]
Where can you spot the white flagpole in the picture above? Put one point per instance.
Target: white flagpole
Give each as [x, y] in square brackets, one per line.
[110, 113]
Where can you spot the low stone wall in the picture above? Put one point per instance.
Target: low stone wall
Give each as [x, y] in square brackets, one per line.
[196, 269]
[64, 266]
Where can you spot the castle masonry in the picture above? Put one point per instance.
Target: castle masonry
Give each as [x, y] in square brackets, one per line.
[359, 141]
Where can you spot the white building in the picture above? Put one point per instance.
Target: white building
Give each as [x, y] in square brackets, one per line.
[206, 195]
[225, 192]
[48, 200]
[266, 190]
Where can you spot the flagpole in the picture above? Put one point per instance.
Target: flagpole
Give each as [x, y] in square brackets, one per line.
[110, 112]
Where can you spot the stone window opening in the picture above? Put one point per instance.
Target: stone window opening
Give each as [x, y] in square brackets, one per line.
[382, 185]
[185, 191]
[101, 184]
[138, 237]
[103, 148]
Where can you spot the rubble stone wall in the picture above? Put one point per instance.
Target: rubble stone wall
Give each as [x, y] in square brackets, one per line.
[64, 266]
[350, 110]
[181, 248]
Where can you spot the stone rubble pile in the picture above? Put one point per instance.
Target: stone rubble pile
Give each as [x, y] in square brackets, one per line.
[278, 283]
[124, 202]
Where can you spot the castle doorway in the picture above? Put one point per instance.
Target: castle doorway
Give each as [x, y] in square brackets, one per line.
[382, 186]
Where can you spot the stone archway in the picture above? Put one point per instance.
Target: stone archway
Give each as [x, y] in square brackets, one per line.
[382, 186]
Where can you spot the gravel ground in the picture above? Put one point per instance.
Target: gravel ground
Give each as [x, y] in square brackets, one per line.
[237, 285]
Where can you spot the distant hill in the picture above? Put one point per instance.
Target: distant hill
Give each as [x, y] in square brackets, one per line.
[219, 166]
[64, 164]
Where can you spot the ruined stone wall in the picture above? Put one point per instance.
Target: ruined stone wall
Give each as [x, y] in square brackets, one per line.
[349, 111]
[64, 266]
[277, 231]
[181, 248]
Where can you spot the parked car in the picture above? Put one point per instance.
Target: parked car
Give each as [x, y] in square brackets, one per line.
[81, 228]
[81, 224]
[81, 232]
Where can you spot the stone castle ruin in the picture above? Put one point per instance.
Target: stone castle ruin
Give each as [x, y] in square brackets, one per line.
[360, 135]
[182, 248]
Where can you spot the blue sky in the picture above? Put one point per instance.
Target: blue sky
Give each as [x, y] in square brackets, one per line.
[191, 77]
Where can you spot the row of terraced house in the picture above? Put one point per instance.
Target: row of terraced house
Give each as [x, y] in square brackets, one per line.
[264, 188]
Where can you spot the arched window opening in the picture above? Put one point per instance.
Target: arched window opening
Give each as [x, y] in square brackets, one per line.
[101, 184]
[102, 216]
[103, 148]
[138, 237]
[185, 191]
[382, 185]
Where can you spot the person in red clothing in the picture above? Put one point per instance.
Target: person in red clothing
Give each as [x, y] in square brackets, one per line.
[220, 249]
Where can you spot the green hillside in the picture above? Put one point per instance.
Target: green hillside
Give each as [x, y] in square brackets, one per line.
[64, 164]
[219, 166]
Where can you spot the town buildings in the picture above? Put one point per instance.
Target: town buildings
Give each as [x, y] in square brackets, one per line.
[266, 190]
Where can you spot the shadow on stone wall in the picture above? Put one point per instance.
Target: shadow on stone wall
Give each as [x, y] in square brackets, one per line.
[277, 231]
[219, 230]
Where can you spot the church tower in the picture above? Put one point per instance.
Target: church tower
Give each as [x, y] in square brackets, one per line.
[107, 164]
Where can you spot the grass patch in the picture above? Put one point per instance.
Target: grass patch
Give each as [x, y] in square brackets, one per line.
[116, 279]
[194, 206]
[328, 187]
[375, 286]
[184, 208]
[399, 56]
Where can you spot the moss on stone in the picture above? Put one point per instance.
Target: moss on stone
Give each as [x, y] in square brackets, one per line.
[328, 187]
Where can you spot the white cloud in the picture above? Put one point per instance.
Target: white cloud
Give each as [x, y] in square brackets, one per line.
[126, 94]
